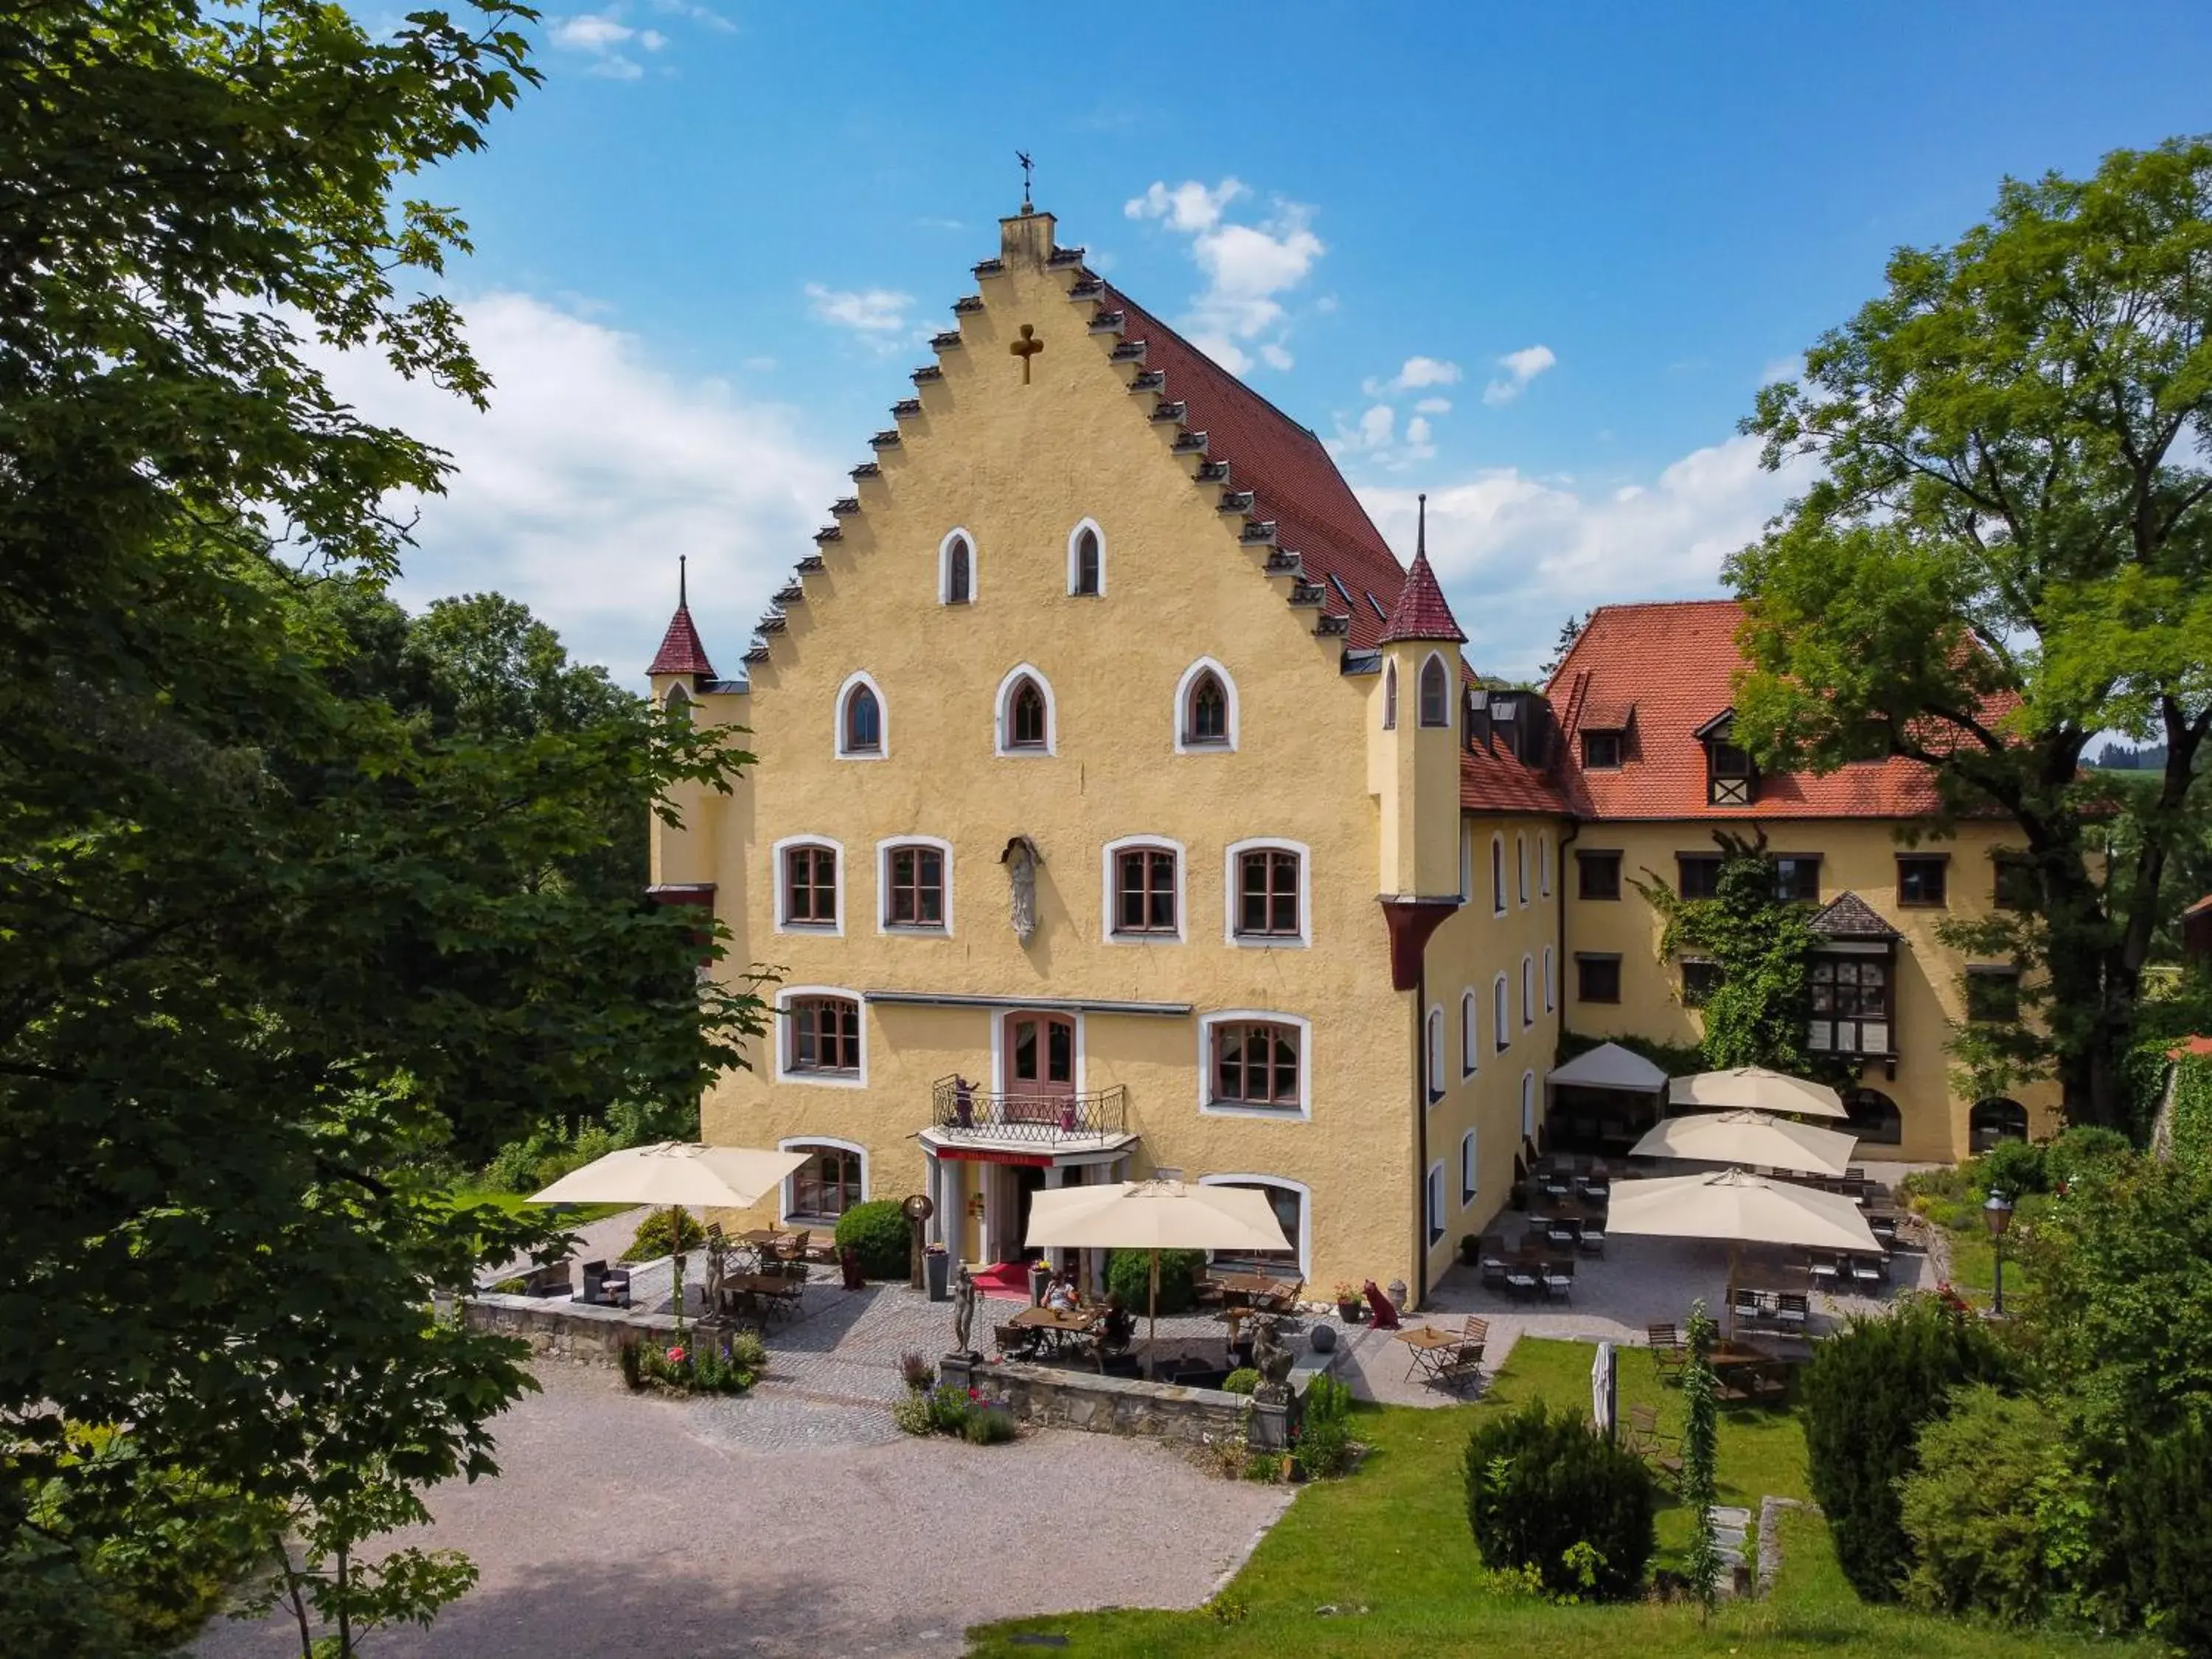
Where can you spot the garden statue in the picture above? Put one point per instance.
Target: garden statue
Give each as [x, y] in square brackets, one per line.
[1273, 1360]
[717, 1270]
[963, 1311]
[1021, 861]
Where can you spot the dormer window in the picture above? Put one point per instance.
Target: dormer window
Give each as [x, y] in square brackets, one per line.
[1731, 779]
[1601, 750]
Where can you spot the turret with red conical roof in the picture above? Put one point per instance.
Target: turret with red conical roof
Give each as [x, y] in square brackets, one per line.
[1421, 612]
[681, 650]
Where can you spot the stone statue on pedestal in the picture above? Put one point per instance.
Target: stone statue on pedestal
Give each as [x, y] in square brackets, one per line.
[963, 1312]
[1273, 1360]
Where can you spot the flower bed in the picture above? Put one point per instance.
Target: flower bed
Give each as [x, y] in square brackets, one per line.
[728, 1366]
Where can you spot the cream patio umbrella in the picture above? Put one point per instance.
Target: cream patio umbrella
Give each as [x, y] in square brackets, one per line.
[1742, 1208]
[1154, 1216]
[1755, 1088]
[1772, 1142]
[675, 1174]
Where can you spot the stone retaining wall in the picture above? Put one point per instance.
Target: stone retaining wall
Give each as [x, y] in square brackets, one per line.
[564, 1329]
[1050, 1397]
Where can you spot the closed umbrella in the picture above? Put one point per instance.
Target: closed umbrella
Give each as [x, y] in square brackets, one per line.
[1753, 1138]
[1756, 1089]
[674, 1174]
[1154, 1216]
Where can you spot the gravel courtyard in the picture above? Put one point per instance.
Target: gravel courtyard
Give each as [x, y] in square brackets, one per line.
[777, 1525]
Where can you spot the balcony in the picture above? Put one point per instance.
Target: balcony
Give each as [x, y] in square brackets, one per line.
[957, 1108]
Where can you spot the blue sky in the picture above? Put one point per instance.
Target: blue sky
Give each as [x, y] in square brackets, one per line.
[710, 247]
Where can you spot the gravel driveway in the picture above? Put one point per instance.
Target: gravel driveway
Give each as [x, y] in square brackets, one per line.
[636, 1525]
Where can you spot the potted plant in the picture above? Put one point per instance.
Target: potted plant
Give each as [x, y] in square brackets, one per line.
[1348, 1302]
[1470, 1250]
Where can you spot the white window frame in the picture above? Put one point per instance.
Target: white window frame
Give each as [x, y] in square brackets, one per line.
[1432, 1203]
[678, 700]
[781, 889]
[1470, 1032]
[1521, 862]
[1501, 1013]
[1305, 1208]
[1465, 864]
[1544, 865]
[1432, 1031]
[958, 533]
[818, 1143]
[860, 676]
[1106, 889]
[1421, 682]
[1497, 873]
[1233, 893]
[1528, 991]
[883, 923]
[1470, 1169]
[1002, 723]
[1207, 1106]
[1183, 688]
[1000, 1084]
[1528, 1107]
[1551, 982]
[1075, 536]
[785, 996]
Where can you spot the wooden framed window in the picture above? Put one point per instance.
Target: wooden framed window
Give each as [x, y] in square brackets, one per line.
[824, 1187]
[1697, 875]
[1268, 894]
[1701, 977]
[1145, 891]
[864, 722]
[1852, 1005]
[1597, 978]
[1797, 875]
[913, 887]
[1436, 693]
[1255, 1063]
[1205, 719]
[810, 887]
[1085, 577]
[1601, 751]
[1730, 778]
[1923, 880]
[1025, 717]
[824, 1034]
[1993, 996]
[2018, 885]
[1597, 875]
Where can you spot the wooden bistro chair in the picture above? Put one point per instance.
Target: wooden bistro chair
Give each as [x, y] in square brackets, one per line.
[1461, 1368]
[1559, 1279]
[1670, 1354]
[1563, 1232]
[1662, 1451]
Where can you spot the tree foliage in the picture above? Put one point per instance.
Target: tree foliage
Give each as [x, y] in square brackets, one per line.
[1974, 1508]
[1700, 1456]
[2009, 550]
[1543, 1493]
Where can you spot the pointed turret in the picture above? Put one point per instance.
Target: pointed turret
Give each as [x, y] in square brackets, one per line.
[1421, 612]
[1414, 741]
[681, 650]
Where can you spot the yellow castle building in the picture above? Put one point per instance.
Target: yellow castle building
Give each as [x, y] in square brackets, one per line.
[1123, 807]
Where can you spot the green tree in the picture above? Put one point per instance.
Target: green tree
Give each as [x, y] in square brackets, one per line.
[1701, 1458]
[275, 940]
[2009, 550]
[1758, 1014]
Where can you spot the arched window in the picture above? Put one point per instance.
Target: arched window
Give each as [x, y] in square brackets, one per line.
[956, 569]
[1467, 1169]
[1086, 561]
[1992, 1121]
[1466, 865]
[822, 1038]
[1528, 991]
[1875, 1117]
[1292, 1204]
[1025, 713]
[1207, 720]
[1521, 858]
[806, 885]
[1501, 1015]
[1436, 1201]
[1497, 875]
[1204, 709]
[1470, 1032]
[1389, 696]
[1551, 985]
[1435, 1054]
[1544, 865]
[1436, 693]
[1528, 1107]
[862, 727]
[677, 702]
[834, 1178]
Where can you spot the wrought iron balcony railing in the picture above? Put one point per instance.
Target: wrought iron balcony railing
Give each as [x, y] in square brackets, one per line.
[960, 1108]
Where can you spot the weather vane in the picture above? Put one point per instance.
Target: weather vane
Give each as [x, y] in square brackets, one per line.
[1028, 166]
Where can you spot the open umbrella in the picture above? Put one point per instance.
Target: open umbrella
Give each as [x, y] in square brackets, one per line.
[674, 1174]
[1154, 1216]
[1755, 1088]
[1771, 1143]
[1740, 1207]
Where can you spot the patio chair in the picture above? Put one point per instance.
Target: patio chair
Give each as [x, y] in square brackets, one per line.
[1883, 1223]
[1823, 1268]
[1592, 1242]
[1793, 1310]
[1868, 1270]
[1662, 1451]
[1014, 1341]
[605, 1286]
[1475, 1329]
[1461, 1368]
[1559, 1279]
[795, 1247]
[1746, 1308]
[1493, 1267]
[1668, 1353]
[1524, 1279]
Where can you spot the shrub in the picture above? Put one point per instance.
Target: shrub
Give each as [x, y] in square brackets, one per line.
[653, 1236]
[686, 1367]
[1866, 1395]
[989, 1425]
[1242, 1380]
[1971, 1508]
[1323, 1449]
[746, 1349]
[2014, 1168]
[949, 1409]
[2085, 1150]
[911, 1415]
[1539, 1485]
[916, 1371]
[880, 1233]
[1130, 1273]
[1265, 1467]
[2164, 1525]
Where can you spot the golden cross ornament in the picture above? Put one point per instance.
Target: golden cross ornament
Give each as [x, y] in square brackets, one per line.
[1026, 348]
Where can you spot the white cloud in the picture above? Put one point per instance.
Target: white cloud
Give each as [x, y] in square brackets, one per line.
[1417, 430]
[876, 311]
[1517, 554]
[1782, 368]
[602, 36]
[1433, 406]
[1521, 366]
[1375, 441]
[1248, 267]
[713, 20]
[594, 467]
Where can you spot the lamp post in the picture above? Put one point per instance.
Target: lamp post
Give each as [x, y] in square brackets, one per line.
[1997, 1214]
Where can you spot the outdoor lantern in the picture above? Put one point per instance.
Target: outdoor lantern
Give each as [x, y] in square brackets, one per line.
[1998, 1214]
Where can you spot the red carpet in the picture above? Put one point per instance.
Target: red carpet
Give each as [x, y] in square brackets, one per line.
[1009, 1281]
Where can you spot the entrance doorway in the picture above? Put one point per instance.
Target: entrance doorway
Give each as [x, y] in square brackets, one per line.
[1028, 1181]
[1039, 1068]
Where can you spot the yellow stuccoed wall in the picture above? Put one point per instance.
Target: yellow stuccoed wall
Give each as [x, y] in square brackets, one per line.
[1017, 467]
[1855, 855]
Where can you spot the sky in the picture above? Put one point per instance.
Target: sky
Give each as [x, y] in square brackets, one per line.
[1536, 260]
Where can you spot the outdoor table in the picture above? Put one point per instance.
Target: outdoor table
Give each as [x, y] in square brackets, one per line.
[1056, 1325]
[779, 1292]
[1430, 1347]
[1258, 1291]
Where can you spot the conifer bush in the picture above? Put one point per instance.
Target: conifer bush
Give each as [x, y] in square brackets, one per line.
[1546, 1494]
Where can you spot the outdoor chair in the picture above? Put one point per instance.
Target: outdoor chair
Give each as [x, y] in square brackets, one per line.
[1793, 1310]
[1493, 1267]
[794, 1248]
[1559, 1279]
[605, 1286]
[1461, 1368]
[1668, 1355]
[1822, 1267]
[1592, 1242]
[1868, 1270]
[1746, 1308]
[552, 1280]
[1883, 1225]
[1662, 1451]
[1563, 1233]
[1014, 1341]
[1475, 1329]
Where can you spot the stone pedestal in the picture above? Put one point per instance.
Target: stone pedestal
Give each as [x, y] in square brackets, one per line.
[957, 1371]
[1268, 1428]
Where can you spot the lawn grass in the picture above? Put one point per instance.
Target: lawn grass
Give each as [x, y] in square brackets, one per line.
[1390, 1549]
[570, 1215]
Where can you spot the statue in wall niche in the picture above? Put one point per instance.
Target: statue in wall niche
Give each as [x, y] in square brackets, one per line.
[963, 1311]
[1273, 1360]
[1021, 860]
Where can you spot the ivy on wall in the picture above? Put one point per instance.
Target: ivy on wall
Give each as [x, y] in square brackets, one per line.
[2192, 1111]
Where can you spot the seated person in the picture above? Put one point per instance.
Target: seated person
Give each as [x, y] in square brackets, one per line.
[1060, 1294]
[1120, 1327]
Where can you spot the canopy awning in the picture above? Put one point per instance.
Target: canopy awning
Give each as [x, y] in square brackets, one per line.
[1609, 1066]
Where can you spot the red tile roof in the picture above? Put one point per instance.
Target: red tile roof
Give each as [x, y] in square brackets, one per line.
[1493, 779]
[1291, 475]
[681, 650]
[1421, 612]
[1677, 663]
[2196, 1047]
